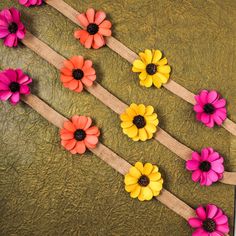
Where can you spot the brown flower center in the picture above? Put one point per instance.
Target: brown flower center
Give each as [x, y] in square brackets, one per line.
[14, 87]
[78, 74]
[209, 108]
[12, 28]
[209, 225]
[143, 181]
[79, 135]
[139, 121]
[92, 28]
[151, 69]
[205, 166]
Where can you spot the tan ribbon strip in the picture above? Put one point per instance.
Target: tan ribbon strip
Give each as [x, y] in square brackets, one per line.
[130, 56]
[108, 156]
[114, 103]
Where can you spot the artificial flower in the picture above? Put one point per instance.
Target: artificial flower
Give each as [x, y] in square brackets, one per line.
[207, 167]
[139, 122]
[143, 181]
[77, 73]
[152, 67]
[95, 28]
[11, 27]
[28, 3]
[78, 134]
[210, 221]
[13, 83]
[210, 108]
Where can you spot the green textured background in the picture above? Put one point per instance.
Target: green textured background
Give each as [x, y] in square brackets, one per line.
[46, 191]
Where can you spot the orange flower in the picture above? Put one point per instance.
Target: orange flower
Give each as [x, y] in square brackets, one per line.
[95, 28]
[78, 134]
[77, 72]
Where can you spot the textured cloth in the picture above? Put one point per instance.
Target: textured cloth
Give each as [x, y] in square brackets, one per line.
[44, 190]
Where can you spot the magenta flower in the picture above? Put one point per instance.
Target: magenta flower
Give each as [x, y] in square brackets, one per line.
[11, 27]
[13, 83]
[210, 108]
[207, 167]
[210, 221]
[28, 3]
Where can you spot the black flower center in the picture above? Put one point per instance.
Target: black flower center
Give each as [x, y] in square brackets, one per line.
[14, 87]
[78, 74]
[151, 69]
[143, 181]
[205, 166]
[139, 121]
[92, 29]
[12, 28]
[79, 135]
[209, 225]
[209, 108]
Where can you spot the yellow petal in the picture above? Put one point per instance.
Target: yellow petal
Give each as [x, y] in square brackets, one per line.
[125, 117]
[130, 188]
[157, 81]
[136, 138]
[147, 193]
[147, 169]
[151, 117]
[142, 134]
[156, 186]
[135, 192]
[149, 110]
[147, 82]
[134, 172]
[161, 77]
[141, 197]
[134, 107]
[164, 69]
[131, 113]
[162, 62]
[155, 176]
[157, 56]
[138, 64]
[143, 57]
[150, 135]
[155, 122]
[132, 131]
[150, 128]
[141, 109]
[148, 54]
[126, 124]
[143, 75]
[129, 180]
[139, 166]
[134, 69]
[155, 169]
[156, 193]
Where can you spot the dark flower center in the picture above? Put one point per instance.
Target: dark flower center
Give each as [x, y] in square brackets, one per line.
[209, 108]
[209, 225]
[12, 28]
[14, 87]
[78, 74]
[205, 166]
[79, 135]
[151, 69]
[143, 181]
[92, 29]
[139, 121]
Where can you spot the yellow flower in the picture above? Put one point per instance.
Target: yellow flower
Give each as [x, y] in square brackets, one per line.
[152, 67]
[139, 122]
[143, 182]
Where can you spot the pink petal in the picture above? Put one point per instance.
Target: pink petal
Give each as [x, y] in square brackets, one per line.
[10, 40]
[3, 33]
[212, 175]
[198, 108]
[221, 220]
[192, 165]
[217, 120]
[15, 98]
[215, 233]
[220, 103]
[200, 232]
[7, 15]
[4, 95]
[205, 118]
[221, 113]
[203, 96]
[11, 74]
[203, 179]
[223, 228]
[204, 154]
[198, 100]
[4, 87]
[195, 222]
[196, 175]
[196, 156]
[213, 156]
[4, 78]
[217, 166]
[24, 89]
[20, 34]
[211, 210]
[211, 123]
[212, 96]
[15, 15]
[99, 17]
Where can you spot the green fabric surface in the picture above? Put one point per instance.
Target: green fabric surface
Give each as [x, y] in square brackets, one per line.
[44, 190]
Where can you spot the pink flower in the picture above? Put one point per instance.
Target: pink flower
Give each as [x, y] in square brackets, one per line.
[11, 27]
[28, 3]
[210, 108]
[210, 221]
[206, 167]
[13, 83]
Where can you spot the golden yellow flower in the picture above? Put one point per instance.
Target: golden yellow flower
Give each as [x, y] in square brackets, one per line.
[152, 67]
[143, 181]
[139, 122]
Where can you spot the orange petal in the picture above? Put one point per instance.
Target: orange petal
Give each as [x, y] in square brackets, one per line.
[88, 124]
[99, 40]
[71, 144]
[82, 122]
[77, 61]
[89, 41]
[73, 84]
[82, 35]
[89, 71]
[69, 126]
[99, 17]
[80, 147]
[105, 32]
[66, 79]
[80, 87]
[92, 130]
[87, 64]
[106, 24]
[69, 65]
[64, 131]
[87, 82]
[91, 77]
[92, 139]
[75, 119]
[83, 20]
[90, 13]
[94, 45]
[67, 136]
[66, 71]
[73, 151]
[88, 145]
